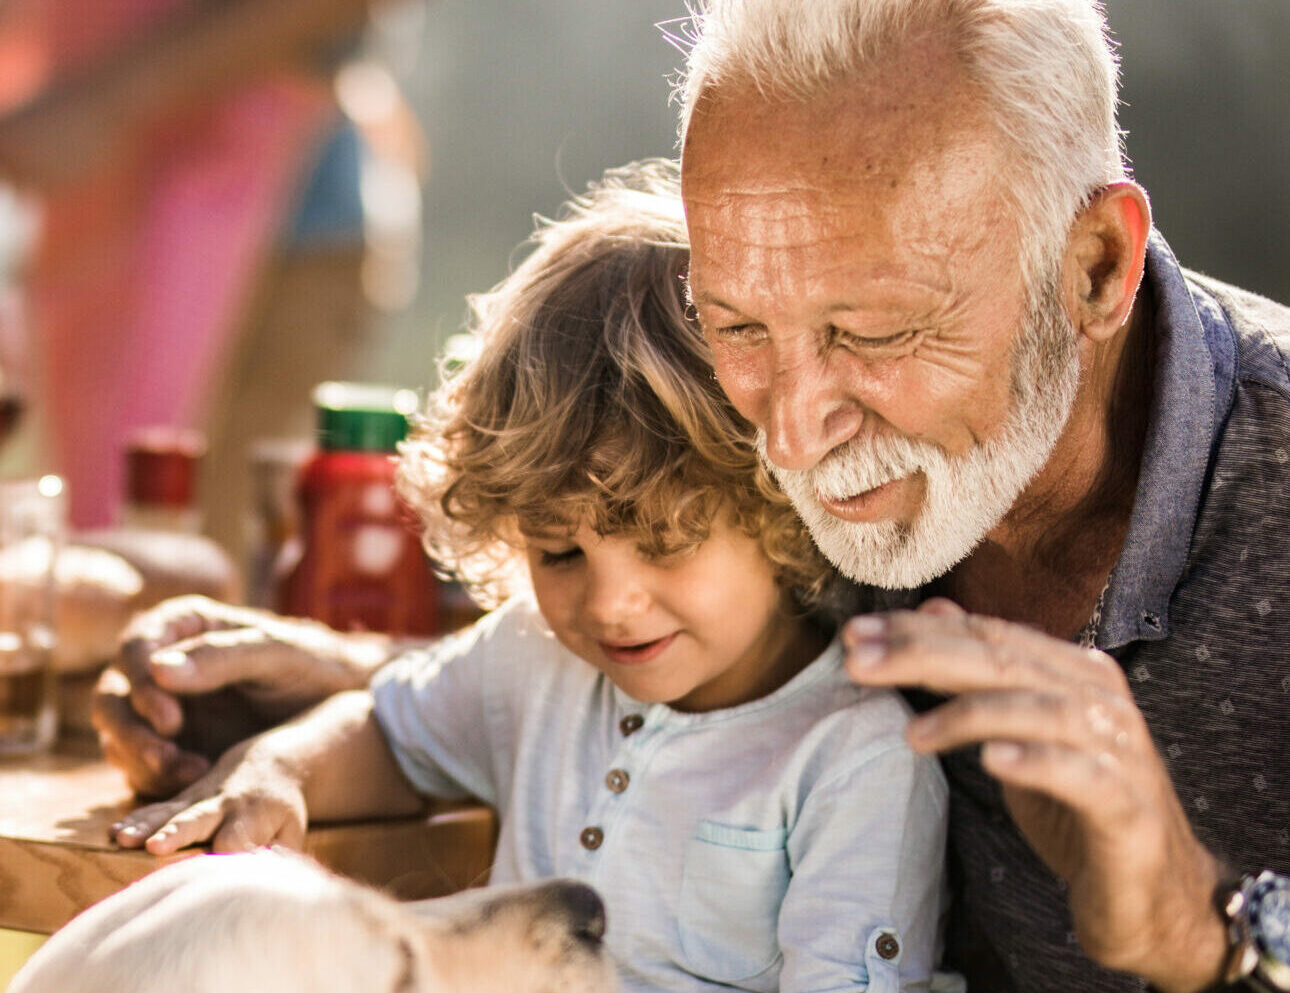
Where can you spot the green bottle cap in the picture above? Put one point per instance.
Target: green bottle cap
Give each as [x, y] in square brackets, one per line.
[362, 417]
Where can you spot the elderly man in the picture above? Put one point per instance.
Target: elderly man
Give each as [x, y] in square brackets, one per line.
[995, 397]
[920, 264]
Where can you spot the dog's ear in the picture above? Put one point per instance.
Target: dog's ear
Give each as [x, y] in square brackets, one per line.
[406, 982]
[389, 924]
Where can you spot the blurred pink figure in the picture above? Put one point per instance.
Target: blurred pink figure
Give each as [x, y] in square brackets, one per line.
[149, 249]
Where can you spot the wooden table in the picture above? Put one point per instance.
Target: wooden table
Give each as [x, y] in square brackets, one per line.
[56, 860]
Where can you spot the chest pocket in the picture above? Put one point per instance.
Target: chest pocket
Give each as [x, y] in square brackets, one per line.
[732, 885]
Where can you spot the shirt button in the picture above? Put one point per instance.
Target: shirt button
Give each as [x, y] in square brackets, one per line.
[887, 945]
[617, 780]
[631, 724]
[592, 838]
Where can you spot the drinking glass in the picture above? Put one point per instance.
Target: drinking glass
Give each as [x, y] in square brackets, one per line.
[17, 229]
[32, 514]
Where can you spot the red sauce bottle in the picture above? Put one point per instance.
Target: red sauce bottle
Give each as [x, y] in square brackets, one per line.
[161, 466]
[357, 563]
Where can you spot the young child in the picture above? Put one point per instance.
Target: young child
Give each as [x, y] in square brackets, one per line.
[654, 708]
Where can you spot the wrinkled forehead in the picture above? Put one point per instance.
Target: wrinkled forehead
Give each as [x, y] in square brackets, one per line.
[776, 192]
[896, 108]
[867, 133]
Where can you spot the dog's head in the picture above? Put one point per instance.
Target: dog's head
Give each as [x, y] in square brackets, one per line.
[271, 923]
[544, 939]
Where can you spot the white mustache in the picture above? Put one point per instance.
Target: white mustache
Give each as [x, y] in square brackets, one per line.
[861, 464]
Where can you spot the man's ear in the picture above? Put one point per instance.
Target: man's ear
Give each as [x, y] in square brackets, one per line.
[1104, 259]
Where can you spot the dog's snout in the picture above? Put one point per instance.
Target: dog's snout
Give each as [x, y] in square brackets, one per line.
[581, 907]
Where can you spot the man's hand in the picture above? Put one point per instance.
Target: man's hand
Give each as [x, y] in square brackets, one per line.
[1080, 774]
[194, 676]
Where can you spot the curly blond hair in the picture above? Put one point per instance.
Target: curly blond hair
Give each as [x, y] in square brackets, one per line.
[591, 399]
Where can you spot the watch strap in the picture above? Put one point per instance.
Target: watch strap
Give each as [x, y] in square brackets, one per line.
[1230, 899]
[1244, 970]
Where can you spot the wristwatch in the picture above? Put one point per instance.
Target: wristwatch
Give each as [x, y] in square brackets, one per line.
[1257, 911]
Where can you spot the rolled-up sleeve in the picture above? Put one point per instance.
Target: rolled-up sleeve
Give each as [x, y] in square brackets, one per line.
[864, 903]
[432, 706]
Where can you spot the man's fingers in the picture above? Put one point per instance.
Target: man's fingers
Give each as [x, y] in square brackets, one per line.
[136, 714]
[954, 652]
[172, 621]
[119, 694]
[184, 617]
[214, 660]
[168, 622]
[943, 663]
[153, 765]
[1082, 719]
[1091, 784]
[159, 708]
[136, 777]
[939, 606]
[133, 680]
[118, 723]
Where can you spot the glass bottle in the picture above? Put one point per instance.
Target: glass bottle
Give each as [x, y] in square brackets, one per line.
[161, 465]
[357, 563]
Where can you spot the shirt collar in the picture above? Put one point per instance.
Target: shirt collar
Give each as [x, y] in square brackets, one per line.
[825, 665]
[1192, 387]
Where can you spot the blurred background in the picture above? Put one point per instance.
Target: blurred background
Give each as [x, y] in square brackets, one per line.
[524, 102]
[473, 117]
[1207, 110]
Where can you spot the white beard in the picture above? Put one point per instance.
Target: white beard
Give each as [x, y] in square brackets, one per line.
[966, 496]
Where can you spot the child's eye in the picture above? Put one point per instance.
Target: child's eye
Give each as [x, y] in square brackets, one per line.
[561, 557]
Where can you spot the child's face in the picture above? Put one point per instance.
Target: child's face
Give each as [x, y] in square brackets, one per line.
[704, 629]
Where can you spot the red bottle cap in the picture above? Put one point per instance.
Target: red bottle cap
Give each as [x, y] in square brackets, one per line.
[161, 467]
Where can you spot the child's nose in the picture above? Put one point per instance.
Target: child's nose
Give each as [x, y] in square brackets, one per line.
[614, 595]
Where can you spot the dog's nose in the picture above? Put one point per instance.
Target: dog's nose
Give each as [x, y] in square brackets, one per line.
[580, 906]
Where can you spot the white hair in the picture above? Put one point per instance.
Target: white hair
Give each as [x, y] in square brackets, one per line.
[1047, 71]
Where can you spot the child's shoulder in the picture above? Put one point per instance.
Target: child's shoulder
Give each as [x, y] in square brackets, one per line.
[845, 727]
[863, 716]
[865, 711]
[514, 636]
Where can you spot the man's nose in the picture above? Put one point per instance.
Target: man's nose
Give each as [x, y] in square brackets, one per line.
[808, 415]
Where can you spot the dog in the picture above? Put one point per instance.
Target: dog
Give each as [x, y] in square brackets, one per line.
[273, 922]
